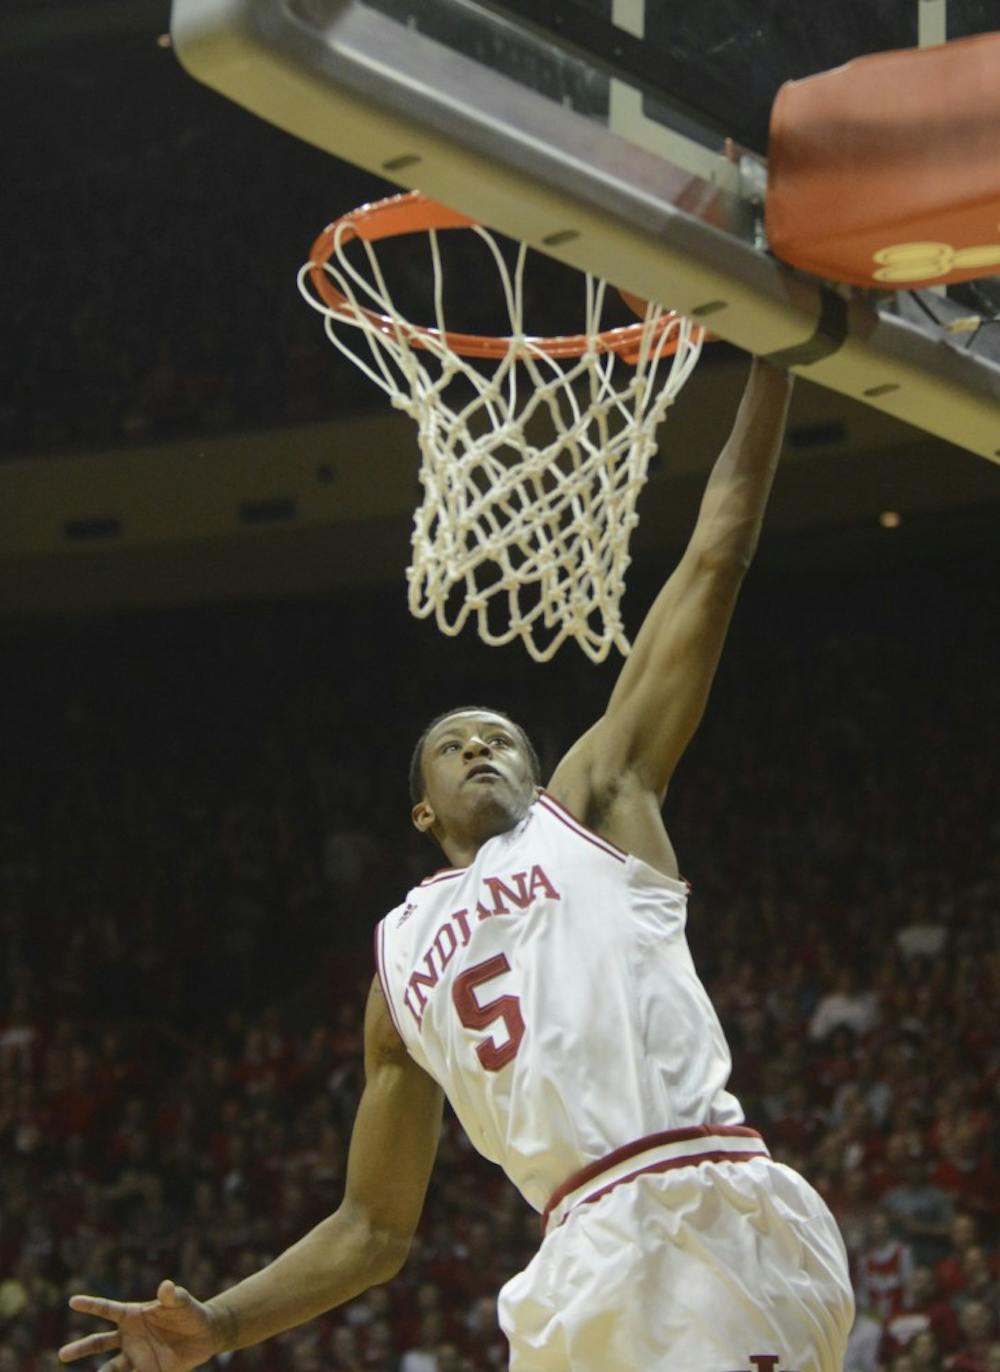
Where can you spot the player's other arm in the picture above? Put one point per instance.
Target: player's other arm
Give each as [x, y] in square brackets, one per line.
[660, 695]
[365, 1242]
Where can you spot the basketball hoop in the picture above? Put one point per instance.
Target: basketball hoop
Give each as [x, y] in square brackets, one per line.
[531, 467]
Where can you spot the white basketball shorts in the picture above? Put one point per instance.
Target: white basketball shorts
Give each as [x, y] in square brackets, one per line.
[718, 1267]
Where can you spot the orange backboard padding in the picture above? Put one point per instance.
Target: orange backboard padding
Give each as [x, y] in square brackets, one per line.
[886, 172]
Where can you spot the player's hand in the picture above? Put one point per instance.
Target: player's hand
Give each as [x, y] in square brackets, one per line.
[174, 1333]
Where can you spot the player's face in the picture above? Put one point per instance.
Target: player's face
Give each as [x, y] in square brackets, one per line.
[477, 778]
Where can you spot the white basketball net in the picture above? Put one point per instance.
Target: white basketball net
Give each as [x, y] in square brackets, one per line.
[531, 466]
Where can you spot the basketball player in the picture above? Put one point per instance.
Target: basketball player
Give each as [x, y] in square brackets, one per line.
[542, 982]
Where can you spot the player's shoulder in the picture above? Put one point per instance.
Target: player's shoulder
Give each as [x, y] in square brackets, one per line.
[617, 809]
[420, 900]
[574, 822]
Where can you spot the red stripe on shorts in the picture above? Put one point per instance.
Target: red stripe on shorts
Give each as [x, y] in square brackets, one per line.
[594, 1170]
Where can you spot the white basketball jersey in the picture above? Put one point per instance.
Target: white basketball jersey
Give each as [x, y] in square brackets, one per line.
[548, 988]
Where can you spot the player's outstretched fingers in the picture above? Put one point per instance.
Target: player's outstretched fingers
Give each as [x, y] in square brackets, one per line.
[91, 1346]
[115, 1311]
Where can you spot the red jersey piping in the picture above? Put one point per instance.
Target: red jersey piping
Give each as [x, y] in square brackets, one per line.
[383, 980]
[560, 812]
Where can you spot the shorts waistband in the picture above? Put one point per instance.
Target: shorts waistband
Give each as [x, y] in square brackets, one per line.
[655, 1153]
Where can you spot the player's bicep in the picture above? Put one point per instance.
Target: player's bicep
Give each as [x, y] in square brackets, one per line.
[660, 697]
[396, 1131]
[662, 690]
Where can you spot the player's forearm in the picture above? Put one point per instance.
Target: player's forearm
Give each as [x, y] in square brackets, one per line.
[331, 1264]
[732, 508]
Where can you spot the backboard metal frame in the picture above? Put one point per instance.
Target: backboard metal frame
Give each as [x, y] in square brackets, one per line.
[681, 228]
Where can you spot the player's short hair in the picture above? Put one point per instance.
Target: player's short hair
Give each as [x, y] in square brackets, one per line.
[416, 760]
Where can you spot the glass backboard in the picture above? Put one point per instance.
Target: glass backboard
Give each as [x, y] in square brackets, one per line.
[623, 137]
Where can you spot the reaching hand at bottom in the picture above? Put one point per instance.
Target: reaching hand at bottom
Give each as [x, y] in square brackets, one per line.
[174, 1333]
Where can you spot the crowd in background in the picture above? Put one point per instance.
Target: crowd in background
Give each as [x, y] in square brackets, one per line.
[203, 814]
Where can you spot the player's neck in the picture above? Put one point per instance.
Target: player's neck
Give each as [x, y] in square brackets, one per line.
[461, 850]
[461, 844]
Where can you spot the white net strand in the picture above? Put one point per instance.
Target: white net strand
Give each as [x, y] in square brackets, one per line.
[531, 465]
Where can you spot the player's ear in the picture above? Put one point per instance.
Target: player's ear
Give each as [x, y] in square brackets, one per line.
[422, 816]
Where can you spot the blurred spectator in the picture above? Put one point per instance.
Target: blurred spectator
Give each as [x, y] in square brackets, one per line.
[966, 1169]
[448, 1358]
[924, 936]
[423, 1357]
[979, 1282]
[847, 1005]
[920, 1212]
[924, 1354]
[18, 1038]
[964, 1234]
[977, 1333]
[926, 1309]
[380, 1346]
[481, 1335]
[885, 1271]
[345, 1351]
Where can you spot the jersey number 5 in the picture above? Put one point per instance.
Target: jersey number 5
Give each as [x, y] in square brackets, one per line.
[480, 1016]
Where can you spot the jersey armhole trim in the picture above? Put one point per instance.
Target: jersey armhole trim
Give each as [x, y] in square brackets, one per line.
[383, 980]
[679, 885]
[559, 811]
[443, 874]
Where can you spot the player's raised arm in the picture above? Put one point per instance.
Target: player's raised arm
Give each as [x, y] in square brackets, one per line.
[660, 695]
[364, 1243]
